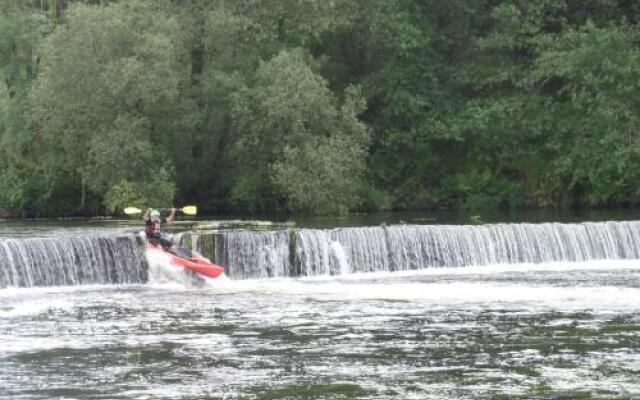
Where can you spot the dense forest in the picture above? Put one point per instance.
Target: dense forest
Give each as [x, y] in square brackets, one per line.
[318, 106]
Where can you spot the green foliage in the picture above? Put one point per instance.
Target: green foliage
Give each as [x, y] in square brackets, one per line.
[592, 74]
[321, 176]
[297, 142]
[4, 99]
[157, 190]
[12, 195]
[481, 190]
[313, 106]
[21, 29]
[127, 168]
[98, 121]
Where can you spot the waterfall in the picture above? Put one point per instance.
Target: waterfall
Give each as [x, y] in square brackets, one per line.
[71, 261]
[247, 254]
[313, 252]
[335, 251]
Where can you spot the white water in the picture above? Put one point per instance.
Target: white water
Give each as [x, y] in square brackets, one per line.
[254, 254]
[447, 333]
[495, 285]
[311, 252]
[29, 262]
[81, 260]
[538, 312]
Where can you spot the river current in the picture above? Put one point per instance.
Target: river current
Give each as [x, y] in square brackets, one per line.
[568, 331]
[530, 311]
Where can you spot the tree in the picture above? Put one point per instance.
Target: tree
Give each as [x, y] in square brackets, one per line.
[106, 67]
[237, 36]
[21, 30]
[247, 106]
[592, 75]
[126, 168]
[296, 141]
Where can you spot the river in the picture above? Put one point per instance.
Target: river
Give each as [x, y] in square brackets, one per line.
[497, 311]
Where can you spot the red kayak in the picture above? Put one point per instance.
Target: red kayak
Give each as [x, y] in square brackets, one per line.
[191, 261]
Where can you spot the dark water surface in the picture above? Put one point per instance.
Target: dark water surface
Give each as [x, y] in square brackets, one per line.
[468, 217]
[508, 332]
[51, 227]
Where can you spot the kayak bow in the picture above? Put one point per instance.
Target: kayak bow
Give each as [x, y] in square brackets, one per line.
[191, 261]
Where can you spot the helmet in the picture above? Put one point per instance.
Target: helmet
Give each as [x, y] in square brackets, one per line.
[155, 213]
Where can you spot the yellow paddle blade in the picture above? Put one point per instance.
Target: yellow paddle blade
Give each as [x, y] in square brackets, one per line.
[190, 210]
[132, 210]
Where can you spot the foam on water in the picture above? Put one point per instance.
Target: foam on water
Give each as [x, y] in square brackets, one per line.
[450, 333]
[439, 285]
[163, 274]
[559, 266]
[454, 294]
[34, 306]
[374, 318]
[453, 291]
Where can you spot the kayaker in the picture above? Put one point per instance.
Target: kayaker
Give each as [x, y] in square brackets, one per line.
[153, 223]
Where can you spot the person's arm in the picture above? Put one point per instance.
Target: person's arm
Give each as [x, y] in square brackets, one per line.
[171, 214]
[147, 215]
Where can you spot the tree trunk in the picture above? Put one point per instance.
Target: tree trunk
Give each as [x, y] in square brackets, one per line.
[83, 197]
[61, 5]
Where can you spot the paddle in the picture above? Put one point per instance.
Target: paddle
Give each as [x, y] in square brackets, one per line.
[187, 210]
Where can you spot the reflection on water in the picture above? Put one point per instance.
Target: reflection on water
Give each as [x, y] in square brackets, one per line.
[514, 332]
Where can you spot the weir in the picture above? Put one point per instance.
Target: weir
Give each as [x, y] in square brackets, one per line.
[66, 261]
[310, 252]
[251, 254]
